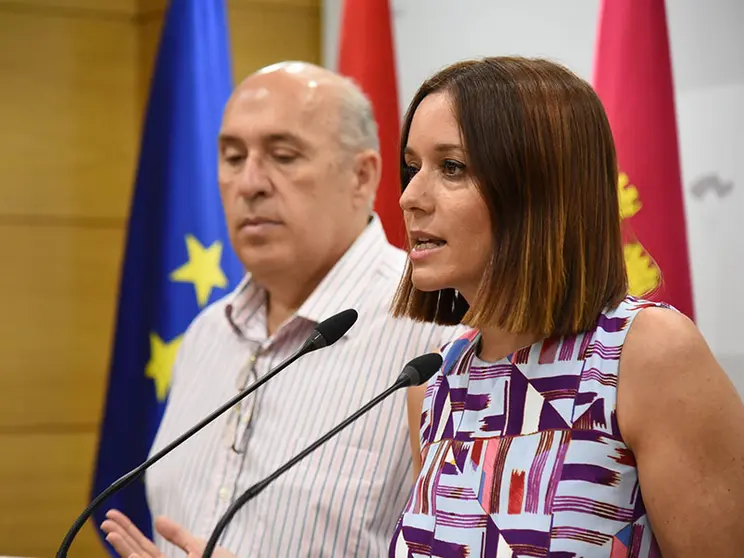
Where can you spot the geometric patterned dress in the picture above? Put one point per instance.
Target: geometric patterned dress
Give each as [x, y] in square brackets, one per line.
[523, 457]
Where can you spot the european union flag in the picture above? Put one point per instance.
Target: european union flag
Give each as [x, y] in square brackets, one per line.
[178, 257]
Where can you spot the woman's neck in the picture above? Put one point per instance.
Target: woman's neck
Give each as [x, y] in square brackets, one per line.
[496, 343]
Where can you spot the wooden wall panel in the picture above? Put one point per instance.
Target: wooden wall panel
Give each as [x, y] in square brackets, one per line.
[74, 8]
[74, 86]
[60, 284]
[147, 6]
[44, 488]
[263, 33]
[69, 115]
[252, 4]
[70, 124]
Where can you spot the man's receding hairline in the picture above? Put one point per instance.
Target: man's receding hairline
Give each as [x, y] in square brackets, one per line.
[357, 127]
[308, 71]
[334, 83]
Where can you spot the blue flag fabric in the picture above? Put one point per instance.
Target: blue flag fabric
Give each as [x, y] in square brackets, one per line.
[178, 258]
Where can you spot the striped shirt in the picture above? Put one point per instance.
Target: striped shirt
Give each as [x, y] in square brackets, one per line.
[341, 500]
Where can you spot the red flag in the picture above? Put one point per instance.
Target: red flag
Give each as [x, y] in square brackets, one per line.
[633, 77]
[367, 55]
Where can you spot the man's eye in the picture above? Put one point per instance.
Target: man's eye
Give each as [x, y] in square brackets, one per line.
[234, 159]
[284, 157]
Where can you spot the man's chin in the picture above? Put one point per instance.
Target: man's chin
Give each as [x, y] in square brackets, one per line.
[265, 262]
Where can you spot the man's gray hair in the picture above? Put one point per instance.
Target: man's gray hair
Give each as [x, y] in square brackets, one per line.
[358, 128]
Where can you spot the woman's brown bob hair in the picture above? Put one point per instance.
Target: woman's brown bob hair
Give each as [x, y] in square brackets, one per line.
[539, 147]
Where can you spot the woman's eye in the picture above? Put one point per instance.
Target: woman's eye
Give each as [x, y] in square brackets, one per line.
[411, 171]
[452, 168]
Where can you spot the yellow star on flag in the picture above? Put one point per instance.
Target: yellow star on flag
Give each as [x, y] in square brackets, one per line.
[160, 366]
[203, 268]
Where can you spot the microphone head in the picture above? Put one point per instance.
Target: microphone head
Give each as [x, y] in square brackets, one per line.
[332, 329]
[420, 369]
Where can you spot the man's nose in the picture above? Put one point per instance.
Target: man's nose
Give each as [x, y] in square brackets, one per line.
[253, 180]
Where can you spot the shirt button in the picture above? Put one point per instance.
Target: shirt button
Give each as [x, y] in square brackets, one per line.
[224, 493]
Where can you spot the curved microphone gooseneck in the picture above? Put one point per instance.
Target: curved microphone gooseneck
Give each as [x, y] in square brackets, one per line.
[415, 373]
[325, 333]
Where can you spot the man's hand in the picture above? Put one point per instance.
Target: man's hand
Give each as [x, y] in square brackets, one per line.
[129, 541]
[126, 539]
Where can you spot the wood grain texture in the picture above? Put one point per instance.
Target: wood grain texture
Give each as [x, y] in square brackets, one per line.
[69, 114]
[44, 488]
[147, 6]
[70, 125]
[79, 9]
[76, 75]
[265, 34]
[261, 33]
[261, 4]
[57, 325]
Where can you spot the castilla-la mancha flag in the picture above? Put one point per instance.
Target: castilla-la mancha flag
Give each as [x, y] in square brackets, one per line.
[367, 55]
[633, 77]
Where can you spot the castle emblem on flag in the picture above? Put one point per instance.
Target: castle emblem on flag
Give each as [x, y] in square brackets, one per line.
[643, 273]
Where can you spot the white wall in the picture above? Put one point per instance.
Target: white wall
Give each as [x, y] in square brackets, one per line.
[708, 62]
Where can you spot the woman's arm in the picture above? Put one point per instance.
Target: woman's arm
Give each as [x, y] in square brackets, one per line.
[684, 421]
[415, 400]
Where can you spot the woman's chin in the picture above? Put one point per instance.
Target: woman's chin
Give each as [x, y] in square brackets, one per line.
[427, 282]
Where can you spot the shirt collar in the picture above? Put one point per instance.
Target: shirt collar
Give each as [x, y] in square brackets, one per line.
[343, 286]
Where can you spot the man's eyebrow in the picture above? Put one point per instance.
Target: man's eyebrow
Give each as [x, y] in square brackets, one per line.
[287, 137]
[276, 137]
[228, 138]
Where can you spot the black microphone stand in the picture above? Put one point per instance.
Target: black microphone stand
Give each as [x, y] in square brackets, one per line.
[135, 473]
[410, 376]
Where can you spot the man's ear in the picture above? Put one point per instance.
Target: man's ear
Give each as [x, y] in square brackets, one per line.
[367, 170]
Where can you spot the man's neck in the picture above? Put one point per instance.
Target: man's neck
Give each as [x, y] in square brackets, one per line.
[288, 292]
[281, 306]
[285, 295]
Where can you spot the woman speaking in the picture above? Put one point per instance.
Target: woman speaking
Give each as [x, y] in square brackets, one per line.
[574, 420]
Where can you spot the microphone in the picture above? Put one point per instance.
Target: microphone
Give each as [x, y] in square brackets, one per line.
[325, 333]
[415, 373]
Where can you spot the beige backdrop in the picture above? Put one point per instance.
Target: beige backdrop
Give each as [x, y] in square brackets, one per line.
[73, 83]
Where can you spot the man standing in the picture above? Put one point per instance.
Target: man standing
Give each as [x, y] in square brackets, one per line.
[299, 165]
